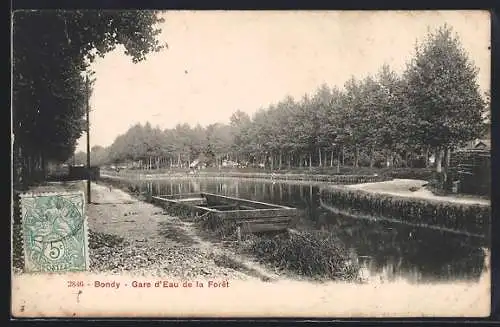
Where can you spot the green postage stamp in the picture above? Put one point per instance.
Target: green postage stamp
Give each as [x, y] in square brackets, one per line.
[54, 227]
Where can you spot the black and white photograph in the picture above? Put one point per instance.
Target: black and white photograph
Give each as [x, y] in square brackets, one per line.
[210, 164]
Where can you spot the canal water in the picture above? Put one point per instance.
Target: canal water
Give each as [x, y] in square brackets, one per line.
[387, 251]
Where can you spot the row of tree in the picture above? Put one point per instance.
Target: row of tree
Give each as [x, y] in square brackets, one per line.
[52, 51]
[434, 106]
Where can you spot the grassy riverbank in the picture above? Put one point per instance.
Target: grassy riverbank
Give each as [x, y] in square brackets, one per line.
[313, 254]
[465, 215]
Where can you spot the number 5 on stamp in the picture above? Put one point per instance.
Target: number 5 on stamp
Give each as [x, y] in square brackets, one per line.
[55, 234]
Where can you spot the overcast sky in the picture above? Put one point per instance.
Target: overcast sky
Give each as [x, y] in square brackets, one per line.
[218, 62]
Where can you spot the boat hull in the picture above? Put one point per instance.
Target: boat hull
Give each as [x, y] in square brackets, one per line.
[245, 216]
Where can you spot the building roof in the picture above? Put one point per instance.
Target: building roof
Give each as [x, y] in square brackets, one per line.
[478, 144]
[483, 144]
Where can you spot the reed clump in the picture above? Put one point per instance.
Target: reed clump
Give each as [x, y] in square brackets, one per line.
[316, 254]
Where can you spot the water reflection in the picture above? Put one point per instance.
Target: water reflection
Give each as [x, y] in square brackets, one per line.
[387, 250]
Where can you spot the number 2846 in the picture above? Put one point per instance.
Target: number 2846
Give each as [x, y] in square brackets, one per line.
[75, 283]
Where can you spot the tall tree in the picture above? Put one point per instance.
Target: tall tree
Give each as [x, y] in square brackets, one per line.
[443, 94]
[240, 125]
[391, 118]
[51, 49]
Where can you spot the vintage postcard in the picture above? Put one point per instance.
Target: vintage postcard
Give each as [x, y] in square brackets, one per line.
[328, 164]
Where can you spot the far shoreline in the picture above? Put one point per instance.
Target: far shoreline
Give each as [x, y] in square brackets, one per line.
[311, 179]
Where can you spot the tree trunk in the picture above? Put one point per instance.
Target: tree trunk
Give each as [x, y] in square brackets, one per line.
[280, 160]
[310, 160]
[372, 157]
[28, 168]
[446, 164]
[439, 160]
[38, 166]
[31, 168]
[356, 157]
[320, 161]
[290, 160]
[343, 155]
[43, 166]
[331, 159]
[34, 168]
[427, 157]
[448, 157]
[338, 162]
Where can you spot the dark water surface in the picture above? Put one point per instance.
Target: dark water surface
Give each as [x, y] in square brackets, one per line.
[390, 251]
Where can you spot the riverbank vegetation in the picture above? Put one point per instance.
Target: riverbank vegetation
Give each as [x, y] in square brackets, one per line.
[404, 120]
[315, 254]
[471, 218]
[312, 254]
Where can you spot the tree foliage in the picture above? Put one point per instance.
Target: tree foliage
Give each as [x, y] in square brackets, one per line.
[51, 52]
[443, 96]
[381, 119]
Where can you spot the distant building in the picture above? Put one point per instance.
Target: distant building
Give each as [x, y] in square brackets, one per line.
[478, 144]
[471, 165]
[483, 145]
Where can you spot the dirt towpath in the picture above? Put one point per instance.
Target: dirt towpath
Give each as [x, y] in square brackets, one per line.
[157, 243]
[402, 187]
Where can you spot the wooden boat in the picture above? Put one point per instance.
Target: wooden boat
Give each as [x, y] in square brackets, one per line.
[246, 215]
